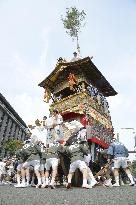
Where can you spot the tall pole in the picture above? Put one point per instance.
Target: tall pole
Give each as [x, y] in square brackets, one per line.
[78, 47]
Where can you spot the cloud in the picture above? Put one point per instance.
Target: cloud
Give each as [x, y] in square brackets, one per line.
[45, 45]
[23, 77]
[30, 107]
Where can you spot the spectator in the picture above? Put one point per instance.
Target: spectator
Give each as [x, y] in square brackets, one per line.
[119, 153]
[57, 121]
[2, 170]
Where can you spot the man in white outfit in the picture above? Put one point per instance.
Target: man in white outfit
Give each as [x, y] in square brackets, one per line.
[40, 132]
[57, 121]
[2, 170]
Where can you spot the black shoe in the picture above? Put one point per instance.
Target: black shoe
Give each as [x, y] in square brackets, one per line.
[52, 186]
[132, 184]
[38, 186]
[69, 186]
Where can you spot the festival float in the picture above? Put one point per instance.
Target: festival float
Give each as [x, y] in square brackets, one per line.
[79, 91]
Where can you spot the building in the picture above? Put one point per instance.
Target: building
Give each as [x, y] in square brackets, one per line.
[11, 124]
[78, 91]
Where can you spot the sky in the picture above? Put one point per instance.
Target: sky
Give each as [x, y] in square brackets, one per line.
[32, 38]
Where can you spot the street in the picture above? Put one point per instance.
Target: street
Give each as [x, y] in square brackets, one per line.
[124, 195]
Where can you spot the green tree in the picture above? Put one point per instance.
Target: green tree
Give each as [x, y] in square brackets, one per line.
[73, 22]
[133, 168]
[11, 146]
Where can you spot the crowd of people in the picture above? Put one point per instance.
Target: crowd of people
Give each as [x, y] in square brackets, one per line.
[48, 159]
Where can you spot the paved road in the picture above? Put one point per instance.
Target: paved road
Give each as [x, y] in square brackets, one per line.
[61, 196]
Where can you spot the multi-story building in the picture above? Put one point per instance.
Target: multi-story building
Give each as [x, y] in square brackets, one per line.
[11, 124]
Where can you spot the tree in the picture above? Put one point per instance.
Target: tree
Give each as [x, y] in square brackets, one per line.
[11, 146]
[73, 23]
[133, 168]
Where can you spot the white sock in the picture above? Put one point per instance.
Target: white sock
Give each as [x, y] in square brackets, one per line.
[18, 179]
[117, 179]
[69, 180]
[52, 181]
[23, 181]
[47, 181]
[43, 180]
[131, 178]
[84, 182]
[39, 180]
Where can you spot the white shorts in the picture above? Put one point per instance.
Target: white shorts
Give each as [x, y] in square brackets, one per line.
[34, 163]
[52, 162]
[77, 164]
[120, 162]
[19, 167]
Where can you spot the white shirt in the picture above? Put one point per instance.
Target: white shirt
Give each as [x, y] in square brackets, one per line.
[49, 122]
[40, 133]
[57, 119]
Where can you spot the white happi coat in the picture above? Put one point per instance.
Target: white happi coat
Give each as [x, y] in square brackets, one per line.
[41, 133]
[2, 168]
[58, 120]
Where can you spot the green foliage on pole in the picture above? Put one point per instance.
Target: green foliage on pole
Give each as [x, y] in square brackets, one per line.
[11, 146]
[73, 22]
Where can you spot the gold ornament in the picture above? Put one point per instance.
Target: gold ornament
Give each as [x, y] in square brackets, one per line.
[47, 95]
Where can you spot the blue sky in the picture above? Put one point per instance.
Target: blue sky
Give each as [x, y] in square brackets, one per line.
[32, 37]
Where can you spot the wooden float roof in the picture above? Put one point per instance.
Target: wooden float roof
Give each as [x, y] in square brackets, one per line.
[88, 68]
